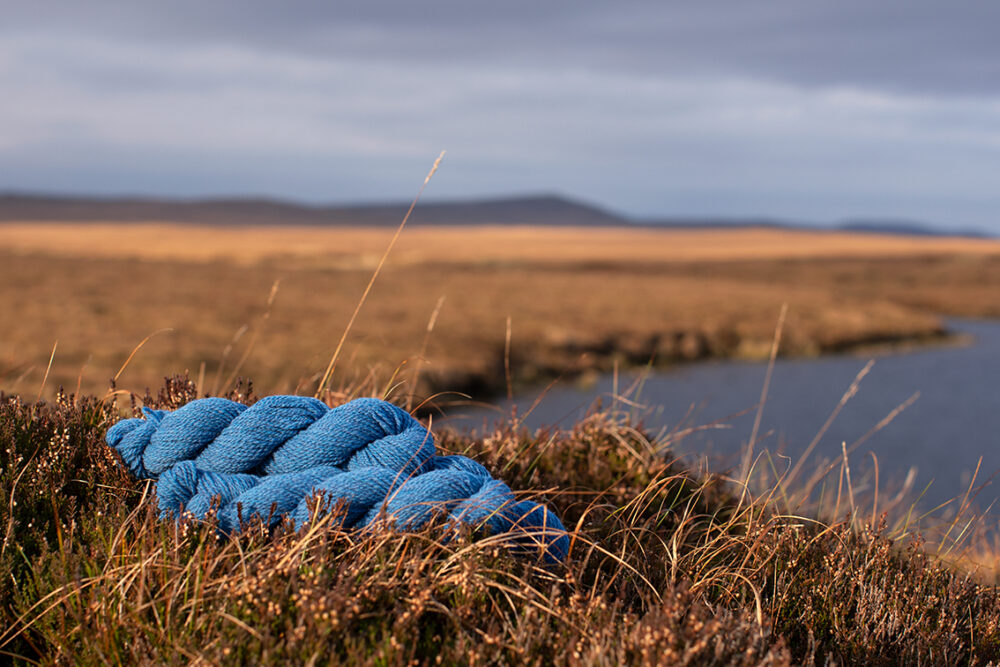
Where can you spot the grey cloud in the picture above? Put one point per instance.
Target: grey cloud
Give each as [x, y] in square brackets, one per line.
[907, 45]
[802, 110]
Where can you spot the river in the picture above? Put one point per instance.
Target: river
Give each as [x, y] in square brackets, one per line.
[936, 440]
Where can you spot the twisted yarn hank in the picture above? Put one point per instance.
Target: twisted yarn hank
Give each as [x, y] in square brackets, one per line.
[367, 457]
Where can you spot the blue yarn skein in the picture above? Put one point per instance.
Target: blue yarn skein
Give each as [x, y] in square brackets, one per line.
[270, 459]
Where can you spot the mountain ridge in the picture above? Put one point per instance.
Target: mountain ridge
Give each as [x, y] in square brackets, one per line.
[546, 209]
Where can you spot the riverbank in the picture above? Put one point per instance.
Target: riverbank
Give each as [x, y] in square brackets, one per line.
[665, 565]
[583, 358]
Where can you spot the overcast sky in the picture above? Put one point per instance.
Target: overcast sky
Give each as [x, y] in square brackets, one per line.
[811, 111]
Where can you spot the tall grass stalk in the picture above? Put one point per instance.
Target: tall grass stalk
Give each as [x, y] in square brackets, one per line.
[328, 373]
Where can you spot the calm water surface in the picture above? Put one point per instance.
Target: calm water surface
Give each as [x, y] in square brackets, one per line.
[954, 421]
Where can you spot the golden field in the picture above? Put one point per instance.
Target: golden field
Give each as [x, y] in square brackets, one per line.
[352, 247]
[578, 300]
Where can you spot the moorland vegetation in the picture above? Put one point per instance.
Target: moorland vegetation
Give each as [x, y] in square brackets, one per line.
[668, 564]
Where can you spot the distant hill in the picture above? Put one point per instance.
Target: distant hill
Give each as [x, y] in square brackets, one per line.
[907, 227]
[528, 210]
[873, 226]
[546, 209]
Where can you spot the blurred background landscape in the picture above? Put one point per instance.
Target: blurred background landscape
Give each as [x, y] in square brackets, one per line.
[630, 186]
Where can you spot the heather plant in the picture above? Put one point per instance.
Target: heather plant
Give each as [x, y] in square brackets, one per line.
[666, 567]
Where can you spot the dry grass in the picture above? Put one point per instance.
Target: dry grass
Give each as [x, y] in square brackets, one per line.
[579, 301]
[666, 567]
[361, 248]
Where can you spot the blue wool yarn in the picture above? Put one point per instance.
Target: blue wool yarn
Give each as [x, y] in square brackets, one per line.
[367, 457]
